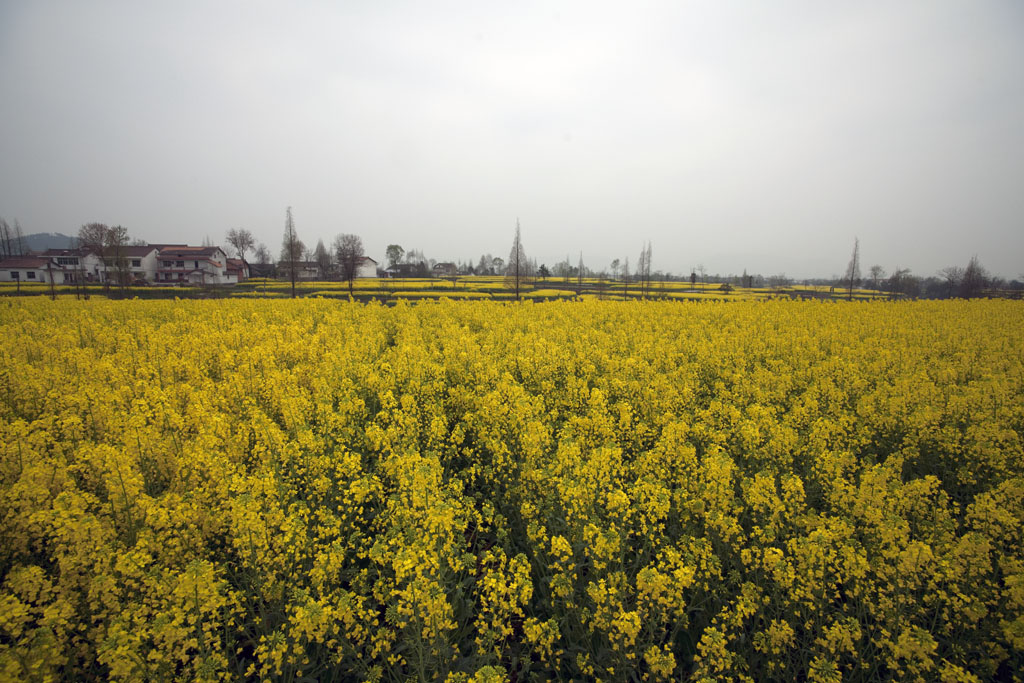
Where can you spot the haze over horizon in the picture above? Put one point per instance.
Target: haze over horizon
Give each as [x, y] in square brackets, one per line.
[737, 136]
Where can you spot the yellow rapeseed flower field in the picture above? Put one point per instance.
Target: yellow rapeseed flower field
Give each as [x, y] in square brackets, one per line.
[475, 491]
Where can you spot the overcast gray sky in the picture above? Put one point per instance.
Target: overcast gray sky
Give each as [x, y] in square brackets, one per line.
[737, 135]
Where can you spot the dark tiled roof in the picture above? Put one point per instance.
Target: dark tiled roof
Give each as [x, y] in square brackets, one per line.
[28, 262]
[80, 251]
[188, 252]
[137, 251]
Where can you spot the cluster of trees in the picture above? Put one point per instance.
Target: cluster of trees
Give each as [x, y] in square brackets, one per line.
[968, 282]
[342, 260]
[411, 263]
[12, 242]
[419, 265]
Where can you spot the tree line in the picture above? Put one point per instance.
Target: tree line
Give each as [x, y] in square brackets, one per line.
[970, 281]
[341, 261]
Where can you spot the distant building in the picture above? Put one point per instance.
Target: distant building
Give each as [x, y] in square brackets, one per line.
[405, 270]
[31, 269]
[79, 264]
[304, 270]
[262, 269]
[366, 267]
[140, 264]
[239, 268]
[445, 270]
[193, 266]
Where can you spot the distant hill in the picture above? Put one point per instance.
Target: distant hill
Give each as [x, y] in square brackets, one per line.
[41, 241]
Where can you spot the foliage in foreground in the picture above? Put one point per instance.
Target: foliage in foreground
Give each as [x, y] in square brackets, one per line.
[624, 491]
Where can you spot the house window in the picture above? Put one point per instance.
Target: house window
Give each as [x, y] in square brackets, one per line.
[66, 261]
[15, 275]
[136, 263]
[180, 264]
[168, 264]
[197, 265]
[31, 275]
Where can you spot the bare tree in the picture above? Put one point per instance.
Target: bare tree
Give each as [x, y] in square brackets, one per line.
[49, 273]
[900, 283]
[19, 241]
[116, 257]
[974, 280]
[262, 254]
[579, 275]
[323, 259]
[517, 265]
[263, 257]
[242, 241]
[12, 242]
[5, 239]
[877, 275]
[643, 270]
[647, 268]
[852, 277]
[348, 250]
[292, 247]
[952, 275]
[625, 278]
[92, 237]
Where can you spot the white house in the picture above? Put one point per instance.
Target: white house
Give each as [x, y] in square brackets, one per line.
[138, 263]
[141, 263]
[366, 267]
[78, 264]
[193, 265]
[31, 269]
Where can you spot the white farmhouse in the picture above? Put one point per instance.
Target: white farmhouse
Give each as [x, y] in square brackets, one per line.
[79, 265]
[141, 263]
[177, 264]
[31, 269]
[137, 263]
[366, 267]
